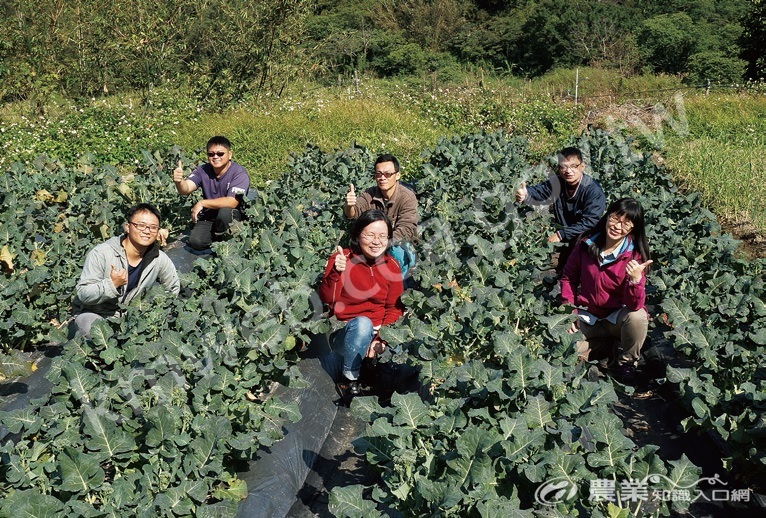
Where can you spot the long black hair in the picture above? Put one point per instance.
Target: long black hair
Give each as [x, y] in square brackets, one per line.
[367, 217]
[633, 212]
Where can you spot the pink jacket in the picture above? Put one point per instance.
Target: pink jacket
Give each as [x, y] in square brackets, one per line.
[601, 289]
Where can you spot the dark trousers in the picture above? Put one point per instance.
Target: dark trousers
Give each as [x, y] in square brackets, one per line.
[212, 226]
[562, 255]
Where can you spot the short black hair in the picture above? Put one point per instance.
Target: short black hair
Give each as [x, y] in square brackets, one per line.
[388, 158]
[571, 151]
[142, 207]
[218, 141]
[367, 217]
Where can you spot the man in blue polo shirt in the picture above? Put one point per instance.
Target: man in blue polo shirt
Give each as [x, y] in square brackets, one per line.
[224, 184]
[577, 200]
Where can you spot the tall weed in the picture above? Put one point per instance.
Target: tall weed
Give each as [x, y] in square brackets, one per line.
[722, 155]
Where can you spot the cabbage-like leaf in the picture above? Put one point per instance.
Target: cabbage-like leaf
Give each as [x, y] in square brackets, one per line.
[105, 436]
[410, 409]
[31, 503]
[80, 472]
[348, 502]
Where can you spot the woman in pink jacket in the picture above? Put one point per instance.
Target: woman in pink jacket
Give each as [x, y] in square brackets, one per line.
[363, 287]
[605, 279]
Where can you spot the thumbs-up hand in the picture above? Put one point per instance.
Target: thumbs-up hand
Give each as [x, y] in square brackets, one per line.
[178, 173]
[635, 270]
[119, 277]
[521, 192]
[350, 196]
[340, 260]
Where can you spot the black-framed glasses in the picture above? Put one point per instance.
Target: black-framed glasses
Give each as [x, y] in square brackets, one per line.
[387, 174]
[143, 227]
[211, 154]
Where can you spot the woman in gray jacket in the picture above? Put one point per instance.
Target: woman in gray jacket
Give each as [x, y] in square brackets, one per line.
[120, 269]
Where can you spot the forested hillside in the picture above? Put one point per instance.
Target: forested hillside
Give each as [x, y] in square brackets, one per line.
[231, 50]
[700, 38]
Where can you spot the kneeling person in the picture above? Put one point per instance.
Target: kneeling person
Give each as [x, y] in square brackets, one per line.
[605, 279]
[224, 184]
[397, 202]
[363, 287]
[120, 269]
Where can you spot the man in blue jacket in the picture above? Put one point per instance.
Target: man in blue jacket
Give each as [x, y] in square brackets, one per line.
[577, 200]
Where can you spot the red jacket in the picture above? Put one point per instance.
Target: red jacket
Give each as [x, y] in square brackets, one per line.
[364, 289]
[601, 289]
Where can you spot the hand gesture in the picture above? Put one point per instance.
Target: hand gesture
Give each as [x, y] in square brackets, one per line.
[119, 277]
[521, 192]
[340, 260]
[350, 196]
[635, 270]
[377, 346]
[178, 173]
[195, 210]
[574, 327]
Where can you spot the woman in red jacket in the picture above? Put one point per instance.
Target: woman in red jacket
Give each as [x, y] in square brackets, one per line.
[362, 285]
[605, 278]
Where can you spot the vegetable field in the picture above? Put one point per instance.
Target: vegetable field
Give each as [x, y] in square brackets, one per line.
[153, 416]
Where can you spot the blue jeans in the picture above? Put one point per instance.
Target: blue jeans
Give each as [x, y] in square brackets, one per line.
[352, 343]
[404, 255]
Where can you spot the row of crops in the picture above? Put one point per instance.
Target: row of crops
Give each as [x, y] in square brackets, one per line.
[153, 415]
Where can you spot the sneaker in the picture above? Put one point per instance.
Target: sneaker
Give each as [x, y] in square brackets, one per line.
[348, 389]
[625, 374]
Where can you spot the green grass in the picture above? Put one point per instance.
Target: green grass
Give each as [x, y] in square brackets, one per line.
[720, 155]
[264, 139]
[723, 154]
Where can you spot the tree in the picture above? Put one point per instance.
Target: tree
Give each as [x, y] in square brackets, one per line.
[667, 41]
[715, 67]
[753, 40]
[429, 23]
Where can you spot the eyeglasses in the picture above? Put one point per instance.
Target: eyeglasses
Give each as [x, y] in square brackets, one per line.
[143, 227]
[211, 154]
[571, 167]
[624, 225]
[369, 238]
[387, 174]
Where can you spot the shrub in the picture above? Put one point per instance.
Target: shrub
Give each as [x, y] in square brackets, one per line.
[714, 67]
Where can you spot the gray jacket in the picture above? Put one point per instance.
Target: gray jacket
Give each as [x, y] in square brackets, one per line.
[95, 292]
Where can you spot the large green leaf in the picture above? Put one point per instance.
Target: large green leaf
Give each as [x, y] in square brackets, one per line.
[105, 435]
[537, 413]
[163, 423]
[81, 381]
[31, 503]
[21, 419]
[348, 502]
[473, 465]
[410, 409]
[80, 472]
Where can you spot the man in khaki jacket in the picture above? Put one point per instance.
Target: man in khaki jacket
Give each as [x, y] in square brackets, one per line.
[395, 201]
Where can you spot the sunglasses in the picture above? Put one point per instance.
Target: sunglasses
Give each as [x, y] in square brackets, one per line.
[216, 153]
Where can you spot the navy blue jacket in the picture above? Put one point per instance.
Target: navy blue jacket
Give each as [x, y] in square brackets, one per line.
[577, 214]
